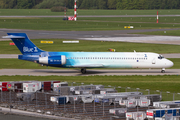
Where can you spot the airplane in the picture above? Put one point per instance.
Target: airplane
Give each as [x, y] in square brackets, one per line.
[84, 60]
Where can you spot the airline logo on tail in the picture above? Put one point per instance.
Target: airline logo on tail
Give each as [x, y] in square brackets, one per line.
[26, 49]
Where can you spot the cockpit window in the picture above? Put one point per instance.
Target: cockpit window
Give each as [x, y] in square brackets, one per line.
[160, 57]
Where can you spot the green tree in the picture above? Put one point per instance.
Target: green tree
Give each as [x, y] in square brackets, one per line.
[112, 4]
[102, 4]
[8, 4]
[141, 4]
[49, 3]
[25, 4]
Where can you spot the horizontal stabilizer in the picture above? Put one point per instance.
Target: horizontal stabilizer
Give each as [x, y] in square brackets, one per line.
[23, 43]
[12, 36]
[89, 66]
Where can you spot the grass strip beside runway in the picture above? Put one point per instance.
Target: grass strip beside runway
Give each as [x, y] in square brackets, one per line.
[92, 46]
[87, 24]
[164, 83]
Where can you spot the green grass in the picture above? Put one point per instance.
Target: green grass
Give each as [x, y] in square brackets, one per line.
[163, 83]
[133, 19]
[86, 12]
[21, 64]
[168, 33]
[93, 46]
[83, 24]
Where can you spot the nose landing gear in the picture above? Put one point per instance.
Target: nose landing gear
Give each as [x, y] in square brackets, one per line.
[163, 70]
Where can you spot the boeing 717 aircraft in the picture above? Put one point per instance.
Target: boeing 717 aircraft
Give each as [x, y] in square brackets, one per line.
[84, 60]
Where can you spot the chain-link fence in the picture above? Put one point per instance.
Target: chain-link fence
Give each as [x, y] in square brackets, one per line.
[40, 102]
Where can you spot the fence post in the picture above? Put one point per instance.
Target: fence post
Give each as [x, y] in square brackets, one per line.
[1, 96]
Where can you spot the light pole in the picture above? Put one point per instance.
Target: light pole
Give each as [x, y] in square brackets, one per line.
[119, 88]
[159, 93]
[137, 89]
[148, 91]
[73, 83]
[167, 93]
[128, 88]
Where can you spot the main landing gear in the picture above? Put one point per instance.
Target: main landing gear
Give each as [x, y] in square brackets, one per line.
[163, 70]
[83, 70]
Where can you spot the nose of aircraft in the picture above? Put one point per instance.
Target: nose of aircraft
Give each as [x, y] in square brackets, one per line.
[169, 63]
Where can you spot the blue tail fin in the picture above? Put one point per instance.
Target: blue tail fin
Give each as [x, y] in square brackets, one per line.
[23, 43]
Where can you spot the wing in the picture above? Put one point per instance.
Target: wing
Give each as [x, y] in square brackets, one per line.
[89, 66]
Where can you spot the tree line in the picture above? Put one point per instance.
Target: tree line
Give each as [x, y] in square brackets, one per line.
[91, 4]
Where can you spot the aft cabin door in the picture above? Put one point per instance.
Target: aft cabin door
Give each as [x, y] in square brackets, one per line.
[154, 61]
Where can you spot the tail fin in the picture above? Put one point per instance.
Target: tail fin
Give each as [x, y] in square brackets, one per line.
[23, 43]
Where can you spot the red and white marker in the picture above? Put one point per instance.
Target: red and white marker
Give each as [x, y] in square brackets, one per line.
[75, 18]
[157, 17]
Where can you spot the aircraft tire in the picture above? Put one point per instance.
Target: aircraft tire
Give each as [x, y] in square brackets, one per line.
[83, 71]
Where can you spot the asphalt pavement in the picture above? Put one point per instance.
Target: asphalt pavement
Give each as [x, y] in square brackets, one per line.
[89, 72]
[113, 35]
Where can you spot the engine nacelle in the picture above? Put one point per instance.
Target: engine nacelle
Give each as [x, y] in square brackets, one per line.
[53, 60]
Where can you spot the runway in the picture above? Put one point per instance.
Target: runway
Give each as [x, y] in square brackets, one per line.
[90, 72]
[114, 35]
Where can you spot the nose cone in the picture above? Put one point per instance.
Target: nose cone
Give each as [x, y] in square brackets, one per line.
[169, 63]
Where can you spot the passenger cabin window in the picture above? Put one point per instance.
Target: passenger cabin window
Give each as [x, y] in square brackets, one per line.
[160, 57]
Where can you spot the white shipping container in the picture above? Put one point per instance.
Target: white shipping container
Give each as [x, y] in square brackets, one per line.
[102, 92]
[112, 111]
[157, 104]
[118, 111]
[60, 84]
[39, 84]
[128, 103]
[53, 99]
[136, 115]
[1, 86]
[31, 87]
[98, 87]
[131, 103]
[144, 102]
[87, 98]
[158, 118]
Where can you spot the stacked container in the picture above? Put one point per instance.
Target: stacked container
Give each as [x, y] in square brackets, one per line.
[157, 104]
[31, 87]
[153, 98]
[121, 112]
[169, 105]
[159, 113]
[3, 86]
[60, 84]
[136, 115]
[129, 103]
[15, 86]
[144, 102]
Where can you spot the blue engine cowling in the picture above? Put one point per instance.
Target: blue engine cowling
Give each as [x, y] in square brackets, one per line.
[53, 60]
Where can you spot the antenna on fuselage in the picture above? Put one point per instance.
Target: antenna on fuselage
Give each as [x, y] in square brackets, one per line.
[134, 51]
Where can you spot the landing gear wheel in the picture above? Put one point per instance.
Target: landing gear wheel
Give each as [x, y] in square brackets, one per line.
[83, 71]
[163, 70]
